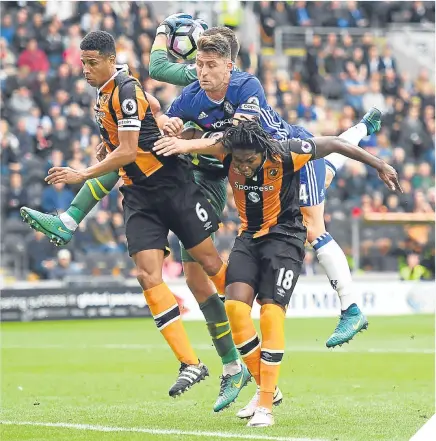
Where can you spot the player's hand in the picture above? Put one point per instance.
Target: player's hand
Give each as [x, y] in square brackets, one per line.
[101, 152]
[168, 146]
[202, 23]
[65, 175]
[390, 177]
[172, 22]
[173, 127]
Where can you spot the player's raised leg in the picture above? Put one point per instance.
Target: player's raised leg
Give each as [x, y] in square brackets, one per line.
[334, 262]
[166, 314]
[369, 124]
[60, 228]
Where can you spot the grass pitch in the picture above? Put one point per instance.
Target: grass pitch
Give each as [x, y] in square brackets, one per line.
[97, 379]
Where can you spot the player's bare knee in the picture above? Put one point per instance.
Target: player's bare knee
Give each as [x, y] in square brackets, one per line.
[313, 218]
[328, 178]
[211, 264]
[241, 292]
[147, 279]
[271, 302]
[201, 291]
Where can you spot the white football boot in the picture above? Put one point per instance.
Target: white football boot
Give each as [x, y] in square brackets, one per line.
[248, 410]
[262, 418]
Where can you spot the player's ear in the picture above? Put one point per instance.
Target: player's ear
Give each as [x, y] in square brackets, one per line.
[229, 65]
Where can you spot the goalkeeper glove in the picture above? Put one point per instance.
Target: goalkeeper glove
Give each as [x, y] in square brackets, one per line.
[172, 22]
[202, 23]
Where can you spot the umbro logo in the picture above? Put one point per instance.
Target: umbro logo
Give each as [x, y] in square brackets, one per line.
[202, 115]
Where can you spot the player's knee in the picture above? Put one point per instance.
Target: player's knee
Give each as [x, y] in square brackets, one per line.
[314, 222]
[328, 178]
[201, 289]
[314, 231]
[148, 279]
[211, 263]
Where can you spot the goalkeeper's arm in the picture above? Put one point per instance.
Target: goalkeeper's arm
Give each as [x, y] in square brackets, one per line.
[161, 69]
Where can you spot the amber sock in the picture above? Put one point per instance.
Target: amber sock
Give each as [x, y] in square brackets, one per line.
[166, 314]
[219, 279]
[244, 335]
[272, 326]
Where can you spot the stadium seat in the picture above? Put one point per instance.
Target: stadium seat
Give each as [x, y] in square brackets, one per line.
[15, 226]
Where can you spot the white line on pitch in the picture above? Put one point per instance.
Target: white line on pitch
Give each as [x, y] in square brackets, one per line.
[206, 347]
[215, 435]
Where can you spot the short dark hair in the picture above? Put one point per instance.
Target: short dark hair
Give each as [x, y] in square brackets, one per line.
[229, 35]
[214, 43]
[250, 135]
[100, 41]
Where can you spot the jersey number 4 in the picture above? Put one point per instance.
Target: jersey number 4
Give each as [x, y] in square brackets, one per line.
[303, 193]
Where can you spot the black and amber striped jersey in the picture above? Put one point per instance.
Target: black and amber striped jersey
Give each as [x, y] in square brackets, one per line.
[269, 202]
[122, 105]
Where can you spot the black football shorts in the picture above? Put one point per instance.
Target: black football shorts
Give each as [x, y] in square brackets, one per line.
[178, 205]
[270, 264]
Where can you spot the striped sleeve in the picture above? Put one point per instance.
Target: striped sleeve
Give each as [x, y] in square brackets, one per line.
[130, 105]
[302, 151]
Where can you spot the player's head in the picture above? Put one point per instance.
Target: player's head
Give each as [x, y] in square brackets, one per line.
[229, 35]
[249, 145]
[98, 57]
[213, 62]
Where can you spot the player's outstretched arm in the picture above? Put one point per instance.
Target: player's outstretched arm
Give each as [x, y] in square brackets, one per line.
[124, 154]
[332, 144]
[208, 144]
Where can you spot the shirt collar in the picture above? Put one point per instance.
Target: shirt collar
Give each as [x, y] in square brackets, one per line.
[119, 68]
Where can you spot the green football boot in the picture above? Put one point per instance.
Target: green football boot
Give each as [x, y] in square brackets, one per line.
[48, 224]
[230, 387]
[372, 120]
[350, 323]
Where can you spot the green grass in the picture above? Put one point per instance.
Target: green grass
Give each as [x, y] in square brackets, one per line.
[117, 373]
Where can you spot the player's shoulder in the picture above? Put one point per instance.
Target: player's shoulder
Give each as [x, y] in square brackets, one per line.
[192, 89]
[128, 86]
[239, 79]
[297, 145]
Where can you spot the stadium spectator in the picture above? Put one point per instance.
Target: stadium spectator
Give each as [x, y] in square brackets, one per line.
[103, 236]
[56, 197]
[413, 270]
[17, 196]
[34, 58]
[40, 254]
[64, 266]
[7, 30]
[374, 97]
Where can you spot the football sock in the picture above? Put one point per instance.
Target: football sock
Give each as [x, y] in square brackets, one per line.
[166, 314]
[219, 279]
[86, 199]
[272, 326]
[353, 135]
[219, 329]
[244, 335]
[333, 260]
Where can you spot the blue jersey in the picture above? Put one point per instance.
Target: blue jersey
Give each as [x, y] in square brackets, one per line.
[245, 95]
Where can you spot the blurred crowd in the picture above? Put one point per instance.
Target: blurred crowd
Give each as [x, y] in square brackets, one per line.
[47, 119]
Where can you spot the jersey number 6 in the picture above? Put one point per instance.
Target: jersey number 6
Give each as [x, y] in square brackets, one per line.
[201, 212]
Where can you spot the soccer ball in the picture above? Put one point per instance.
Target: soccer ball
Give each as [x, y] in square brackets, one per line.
[182, 43]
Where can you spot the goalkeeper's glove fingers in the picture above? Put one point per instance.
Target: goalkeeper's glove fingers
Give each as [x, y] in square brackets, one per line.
[202, 23]
[172, 22]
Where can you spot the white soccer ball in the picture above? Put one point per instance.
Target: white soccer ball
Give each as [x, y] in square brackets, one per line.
[182, 43]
